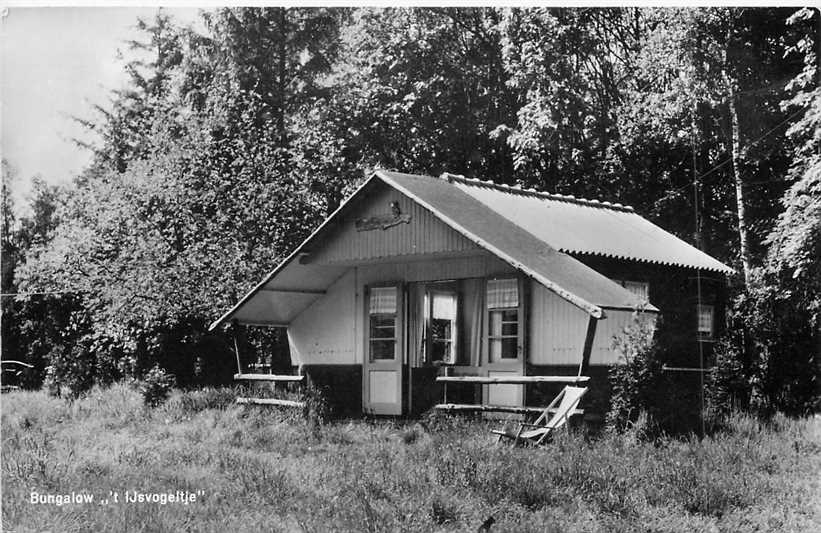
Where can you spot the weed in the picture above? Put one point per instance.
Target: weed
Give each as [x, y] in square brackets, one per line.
[265, 469]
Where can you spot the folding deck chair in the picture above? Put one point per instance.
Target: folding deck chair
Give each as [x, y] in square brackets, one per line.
[544, 426]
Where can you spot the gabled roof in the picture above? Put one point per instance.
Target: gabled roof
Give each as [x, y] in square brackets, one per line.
[567, 277]
[578, 226]
[532, 231]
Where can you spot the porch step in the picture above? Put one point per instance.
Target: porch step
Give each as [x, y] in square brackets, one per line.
[270, 401]
[521, 410]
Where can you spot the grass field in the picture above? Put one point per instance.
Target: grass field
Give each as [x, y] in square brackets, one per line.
[263, 470]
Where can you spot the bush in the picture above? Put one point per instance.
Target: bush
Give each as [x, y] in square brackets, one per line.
[156, 386]
[637, 382]
[71, 370]
[729, 388]
[768, 361]
[318, 409]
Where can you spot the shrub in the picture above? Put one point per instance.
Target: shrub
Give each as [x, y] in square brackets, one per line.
[768, 361]
[71, 370]
[318, 408]
[730, 387]
[637, 382]
[50, 383]
[156, 386]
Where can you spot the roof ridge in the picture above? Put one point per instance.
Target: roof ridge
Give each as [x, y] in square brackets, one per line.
[517, 189]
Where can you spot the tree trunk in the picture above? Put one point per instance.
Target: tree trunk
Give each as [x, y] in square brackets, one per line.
[739, 190]
[735, 141]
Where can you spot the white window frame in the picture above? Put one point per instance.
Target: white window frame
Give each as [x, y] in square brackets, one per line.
[430, 294]
[705, 334]
[632, 285]
[491, 338]
[395, 317]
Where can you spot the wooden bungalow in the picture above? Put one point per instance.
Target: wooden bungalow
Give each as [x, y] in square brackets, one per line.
[419, 283]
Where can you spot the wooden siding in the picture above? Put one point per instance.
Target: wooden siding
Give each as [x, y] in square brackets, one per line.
[324, 332]
[558, 330]
[330, 330]
[423, 235]
[606, 330]
[480, 265]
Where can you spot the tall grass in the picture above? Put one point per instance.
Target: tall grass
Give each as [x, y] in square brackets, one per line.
[268, 470]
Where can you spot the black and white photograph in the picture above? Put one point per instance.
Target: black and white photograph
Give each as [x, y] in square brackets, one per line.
[410, 267]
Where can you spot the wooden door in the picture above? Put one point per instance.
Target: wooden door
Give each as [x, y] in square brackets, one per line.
[504, 340]
[384, 350]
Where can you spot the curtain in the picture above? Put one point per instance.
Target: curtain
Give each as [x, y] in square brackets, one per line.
[416, 323]
[382, 300]
[473, 291]
[502, 293]
[444, 306]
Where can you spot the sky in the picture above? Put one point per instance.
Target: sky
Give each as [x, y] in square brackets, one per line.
[55, 63]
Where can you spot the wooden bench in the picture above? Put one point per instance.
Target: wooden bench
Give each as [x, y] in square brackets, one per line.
[270, 378]
[497, 380]
[502, 380]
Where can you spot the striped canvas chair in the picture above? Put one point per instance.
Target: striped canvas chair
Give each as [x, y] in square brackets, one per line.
[551, 419]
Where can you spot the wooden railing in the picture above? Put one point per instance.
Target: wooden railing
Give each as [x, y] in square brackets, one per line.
[502, 380]
[512, 380]
[270, 378]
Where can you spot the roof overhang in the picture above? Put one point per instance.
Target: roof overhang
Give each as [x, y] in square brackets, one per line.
[293, 286]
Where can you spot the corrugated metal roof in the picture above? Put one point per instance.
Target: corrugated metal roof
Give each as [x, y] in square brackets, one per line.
[579, 226]
[530, 230]
[564, 275]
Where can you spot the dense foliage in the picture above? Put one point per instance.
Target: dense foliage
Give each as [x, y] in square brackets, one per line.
[637, 396]
[230, 144]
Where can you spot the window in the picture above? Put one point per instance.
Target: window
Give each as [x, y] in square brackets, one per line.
[503, 319]
[441, 320]
[639, 288]
[382, 328]
[705, 322]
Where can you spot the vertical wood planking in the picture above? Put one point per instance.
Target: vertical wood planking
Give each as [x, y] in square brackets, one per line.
[322, 333]
[425, 234]
[557, 329]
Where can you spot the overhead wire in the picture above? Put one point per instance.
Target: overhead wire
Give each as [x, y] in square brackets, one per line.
[698, 274]
[730, 159]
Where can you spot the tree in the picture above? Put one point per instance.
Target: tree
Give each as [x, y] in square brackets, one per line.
[779, 347]
[214, 193]
[425, 90]
[568, 66]
[708, 83]
[124, 127]
[7, 240]
[32, 324]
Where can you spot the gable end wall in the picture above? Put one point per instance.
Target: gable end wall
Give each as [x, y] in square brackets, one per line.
[423, 235]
